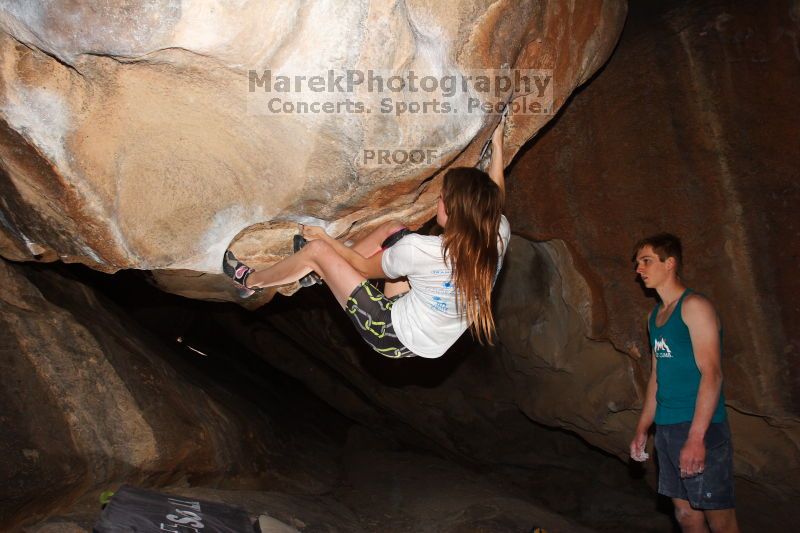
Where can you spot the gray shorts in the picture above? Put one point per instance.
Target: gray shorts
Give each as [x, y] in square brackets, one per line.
[713, 489]
[371, 312]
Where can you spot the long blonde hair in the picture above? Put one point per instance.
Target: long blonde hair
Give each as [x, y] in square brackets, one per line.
[473, 204]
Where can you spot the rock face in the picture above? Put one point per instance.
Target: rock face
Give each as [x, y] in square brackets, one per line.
[676, 134]
[492, 404]
[470, 400]
[88, 400]
[659, 140]
[139, 145]
[484, 404]
[545, 366]
[130, 138]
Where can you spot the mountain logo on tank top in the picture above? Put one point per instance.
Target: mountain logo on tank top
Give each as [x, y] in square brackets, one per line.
[661, 349]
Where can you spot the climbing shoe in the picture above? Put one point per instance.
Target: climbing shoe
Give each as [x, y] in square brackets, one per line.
[238, 272]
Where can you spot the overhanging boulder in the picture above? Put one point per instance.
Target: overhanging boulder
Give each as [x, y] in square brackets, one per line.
[130, 138]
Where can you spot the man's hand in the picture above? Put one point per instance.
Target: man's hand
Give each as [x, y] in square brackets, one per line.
[637, 448]
[693, 457]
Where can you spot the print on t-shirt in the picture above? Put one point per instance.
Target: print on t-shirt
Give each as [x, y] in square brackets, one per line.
[661, 349]
[437, 304]
[426, 318]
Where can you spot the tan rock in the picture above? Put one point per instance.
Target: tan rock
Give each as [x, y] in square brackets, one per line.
[129, 137]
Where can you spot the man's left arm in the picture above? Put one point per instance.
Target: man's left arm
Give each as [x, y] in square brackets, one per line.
[700, 317]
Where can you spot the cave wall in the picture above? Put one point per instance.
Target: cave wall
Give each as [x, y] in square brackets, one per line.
[659, 140]
[481, 403]
[474, 401]
[692, 128]
[89, 399]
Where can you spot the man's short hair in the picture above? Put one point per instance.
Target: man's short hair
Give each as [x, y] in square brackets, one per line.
[664, 245]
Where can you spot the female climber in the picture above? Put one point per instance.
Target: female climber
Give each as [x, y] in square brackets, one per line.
[449, 276]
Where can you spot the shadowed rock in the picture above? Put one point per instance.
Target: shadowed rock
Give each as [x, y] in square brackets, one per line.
[88, 400]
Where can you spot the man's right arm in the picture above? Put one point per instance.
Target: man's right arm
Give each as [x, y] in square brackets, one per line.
[646, 418]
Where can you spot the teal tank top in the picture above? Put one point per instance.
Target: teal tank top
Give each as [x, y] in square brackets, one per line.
[676, 372]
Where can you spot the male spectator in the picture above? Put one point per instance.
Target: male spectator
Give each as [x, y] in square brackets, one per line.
[684, 395]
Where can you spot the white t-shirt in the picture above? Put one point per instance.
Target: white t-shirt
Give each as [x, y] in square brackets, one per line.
[425, 318]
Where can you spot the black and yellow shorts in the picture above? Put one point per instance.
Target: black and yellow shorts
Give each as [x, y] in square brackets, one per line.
[371, 312]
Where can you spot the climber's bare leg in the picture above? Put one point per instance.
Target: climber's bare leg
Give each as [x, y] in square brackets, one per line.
[371, 244]
[365, 248]
[317, 256]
